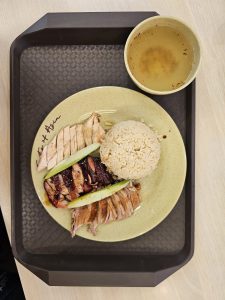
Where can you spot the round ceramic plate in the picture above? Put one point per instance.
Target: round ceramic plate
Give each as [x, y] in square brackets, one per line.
[159, 192]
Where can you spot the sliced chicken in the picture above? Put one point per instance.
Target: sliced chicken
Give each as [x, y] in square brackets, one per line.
[98, 133]
[66, 142]
[133, 193]
[94, 211]
[95, 126]
[80, 137]
[87, 129]
[60, 146]
[82, 216]
[116, 207]
[73, 139]
[102, 211]
[94, 224]
[43, 163]
[101, 134]
[51, 151]
[52, 154]
[78, 218]
[125, 200]
[111, 212]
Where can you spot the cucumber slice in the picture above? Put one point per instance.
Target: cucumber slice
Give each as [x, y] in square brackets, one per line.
[98, 195]
[74, 158]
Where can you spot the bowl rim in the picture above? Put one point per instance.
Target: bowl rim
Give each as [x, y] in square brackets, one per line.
[140, 85]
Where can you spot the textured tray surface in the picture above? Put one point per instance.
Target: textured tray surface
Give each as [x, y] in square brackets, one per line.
[47, 76]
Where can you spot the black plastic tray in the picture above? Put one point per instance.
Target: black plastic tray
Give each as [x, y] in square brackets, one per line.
[59, 55]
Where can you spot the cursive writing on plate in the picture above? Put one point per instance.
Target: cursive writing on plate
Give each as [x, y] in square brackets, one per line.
[48, 128]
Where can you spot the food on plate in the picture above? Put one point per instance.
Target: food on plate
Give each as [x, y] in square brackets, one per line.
[71, 139]
[77, 156]
[98, 195]
[118, 206]
[130, 150]
[82, 177]
[99, 190]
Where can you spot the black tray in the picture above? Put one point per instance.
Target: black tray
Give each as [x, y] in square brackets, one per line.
[59, 55]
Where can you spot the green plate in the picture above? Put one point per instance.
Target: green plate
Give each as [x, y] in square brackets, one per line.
[159, 192]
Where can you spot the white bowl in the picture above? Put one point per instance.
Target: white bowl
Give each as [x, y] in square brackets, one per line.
[178, 26]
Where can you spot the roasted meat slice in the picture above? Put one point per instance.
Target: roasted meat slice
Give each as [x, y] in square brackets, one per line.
[79, 218]
[94, 223]
[133, 193]
[83, 177]
[55, 197]
[125, 200]
[83, 216]
[102, 211]
[116, 207]
[90, 164]
[78, 178]
[101, 215]
[103, 177]
[87, 178]
[111, 211]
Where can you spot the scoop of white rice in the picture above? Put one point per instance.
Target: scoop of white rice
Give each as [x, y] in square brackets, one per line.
[131, 150]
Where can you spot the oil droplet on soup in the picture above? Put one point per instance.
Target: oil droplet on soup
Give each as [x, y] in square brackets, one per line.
[160, 58]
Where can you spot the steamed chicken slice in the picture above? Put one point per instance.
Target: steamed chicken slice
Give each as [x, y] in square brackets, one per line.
[66, 142]
[88, 128]
[80, 137]
[98, 133]
[52, 154]
[60, 146]
[73, 139]
[43, 163]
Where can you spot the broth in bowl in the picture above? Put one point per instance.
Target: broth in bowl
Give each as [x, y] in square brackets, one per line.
[162, 55]
[160, 58]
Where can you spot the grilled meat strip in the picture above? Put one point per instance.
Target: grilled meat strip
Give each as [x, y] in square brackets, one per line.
[83, 177]
[119, 206]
